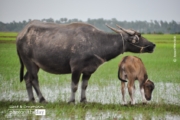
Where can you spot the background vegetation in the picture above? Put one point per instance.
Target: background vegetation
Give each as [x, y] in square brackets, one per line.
[152, 26]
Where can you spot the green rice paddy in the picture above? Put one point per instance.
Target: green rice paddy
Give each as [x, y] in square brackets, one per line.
[103, 92]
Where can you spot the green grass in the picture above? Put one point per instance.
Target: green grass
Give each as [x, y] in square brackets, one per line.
[8, 35]
[159, 65]
[62, 110]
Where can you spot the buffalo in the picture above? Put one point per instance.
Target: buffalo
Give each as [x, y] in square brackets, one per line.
[76, 48]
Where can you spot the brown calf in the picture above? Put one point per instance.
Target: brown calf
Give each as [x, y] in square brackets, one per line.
[132, 68]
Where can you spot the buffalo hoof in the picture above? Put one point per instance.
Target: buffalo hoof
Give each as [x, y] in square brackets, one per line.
[83, 100]
[71, 102]
[42, 100]
[32, 100]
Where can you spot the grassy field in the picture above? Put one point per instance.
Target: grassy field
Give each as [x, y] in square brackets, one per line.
[8, 35]
[103, 92]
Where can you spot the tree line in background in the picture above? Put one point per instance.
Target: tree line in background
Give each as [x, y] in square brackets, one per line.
[152, 27]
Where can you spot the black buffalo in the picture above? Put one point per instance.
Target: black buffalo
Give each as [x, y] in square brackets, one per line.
[76, 48]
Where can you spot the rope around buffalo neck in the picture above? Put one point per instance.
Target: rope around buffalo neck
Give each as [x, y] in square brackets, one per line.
[140, 49]
[123, 42]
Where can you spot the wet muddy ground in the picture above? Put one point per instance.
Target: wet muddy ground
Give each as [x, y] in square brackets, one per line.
[163, 92]
[110, 94]
[101, 93]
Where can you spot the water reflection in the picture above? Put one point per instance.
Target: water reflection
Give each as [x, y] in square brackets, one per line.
[116, 115]
[98, 94]
[90, 113]
[100, 115]
[163, 92]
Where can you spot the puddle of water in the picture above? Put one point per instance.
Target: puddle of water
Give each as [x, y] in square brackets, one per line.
[109, 94]
[117, 115]
[163, 92]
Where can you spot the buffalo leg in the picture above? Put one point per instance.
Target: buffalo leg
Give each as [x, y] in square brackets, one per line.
[84, 85]
[35, 84]
[39, 94]
[74, 85]
[29, 87]
[31, 79]
[28, 78]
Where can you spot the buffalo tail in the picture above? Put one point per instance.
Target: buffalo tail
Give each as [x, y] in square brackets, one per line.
[21, 69]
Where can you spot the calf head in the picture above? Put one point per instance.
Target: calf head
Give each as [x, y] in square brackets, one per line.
[148, 89]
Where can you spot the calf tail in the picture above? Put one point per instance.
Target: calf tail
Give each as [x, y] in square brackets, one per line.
[21, 69]
[119, 75]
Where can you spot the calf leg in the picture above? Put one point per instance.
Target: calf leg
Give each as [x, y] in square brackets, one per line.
[74, 85]
[143, 96]
[123, 91]
[84, 85]
[131, 89]
[142, 93]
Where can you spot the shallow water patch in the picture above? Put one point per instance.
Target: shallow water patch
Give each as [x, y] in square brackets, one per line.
[109, 94]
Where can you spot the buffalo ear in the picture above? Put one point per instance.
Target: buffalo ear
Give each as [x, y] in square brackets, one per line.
[139, 34]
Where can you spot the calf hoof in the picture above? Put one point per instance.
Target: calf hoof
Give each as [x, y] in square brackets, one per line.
[83, 100]
[144, 103]
[124, 104]
[132, 103]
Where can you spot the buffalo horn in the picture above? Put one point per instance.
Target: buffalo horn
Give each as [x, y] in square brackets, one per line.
[113, 29]
[125, 30]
